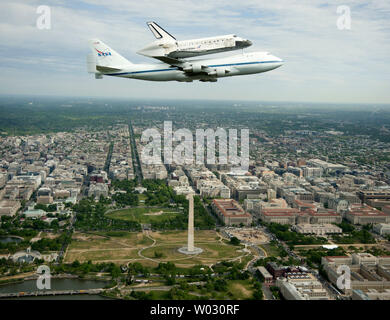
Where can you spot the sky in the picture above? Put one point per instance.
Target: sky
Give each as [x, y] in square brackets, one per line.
[322, 63]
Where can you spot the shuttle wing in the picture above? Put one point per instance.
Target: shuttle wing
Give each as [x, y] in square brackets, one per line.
[171, 61]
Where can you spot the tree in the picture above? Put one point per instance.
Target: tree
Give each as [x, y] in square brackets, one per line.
[137, 268]
[220, 285]
[76, 264]
[234, 241]
[258, 294]
[54, 224]
[170, 279]
[68, 204]
[115, 271]
[52, 207]
[40, 206]
[158, 254]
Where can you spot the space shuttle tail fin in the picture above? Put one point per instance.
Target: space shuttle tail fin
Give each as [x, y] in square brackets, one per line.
[159, 32]
[104, 56]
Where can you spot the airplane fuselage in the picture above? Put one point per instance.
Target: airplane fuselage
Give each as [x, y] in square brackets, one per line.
[201, 69]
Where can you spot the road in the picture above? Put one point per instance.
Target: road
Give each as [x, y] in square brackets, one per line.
[69, 233]
[108, 159]
[267, 292]
[135, 157]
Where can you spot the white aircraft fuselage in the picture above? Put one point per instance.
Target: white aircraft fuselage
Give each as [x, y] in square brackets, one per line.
[194, 47]
[243, 64]
[167, 45]
[104, 61]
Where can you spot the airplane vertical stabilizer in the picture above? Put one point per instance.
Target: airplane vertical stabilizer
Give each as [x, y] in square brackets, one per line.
[105, 56]
[159, 32]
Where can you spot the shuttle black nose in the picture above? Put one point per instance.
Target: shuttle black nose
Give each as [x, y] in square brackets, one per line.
[243, 43]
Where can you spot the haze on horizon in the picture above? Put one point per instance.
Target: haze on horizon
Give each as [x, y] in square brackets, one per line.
[322, 63]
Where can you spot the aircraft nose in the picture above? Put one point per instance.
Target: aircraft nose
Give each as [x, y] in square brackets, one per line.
[277, 61]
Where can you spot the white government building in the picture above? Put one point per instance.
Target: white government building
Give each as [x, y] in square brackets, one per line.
[317, 229]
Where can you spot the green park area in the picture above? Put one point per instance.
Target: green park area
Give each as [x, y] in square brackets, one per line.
[158, 206]
[145, 214]
[152, 248]
[220, 289]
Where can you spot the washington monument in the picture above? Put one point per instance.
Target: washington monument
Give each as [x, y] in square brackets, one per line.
[190, 249]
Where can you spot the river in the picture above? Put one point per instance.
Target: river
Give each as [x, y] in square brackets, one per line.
[57, 284]
[9, 239]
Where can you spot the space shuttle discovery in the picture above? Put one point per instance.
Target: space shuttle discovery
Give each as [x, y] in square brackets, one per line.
[167, 48]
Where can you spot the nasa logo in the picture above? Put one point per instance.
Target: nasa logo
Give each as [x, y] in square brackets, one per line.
[103, 54]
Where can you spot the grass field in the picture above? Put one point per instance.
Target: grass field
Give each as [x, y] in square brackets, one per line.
[240, 289]
[236, 290]
[106, 246]
[144, 214]
[151, 248]
[142, 197]
[271, 249]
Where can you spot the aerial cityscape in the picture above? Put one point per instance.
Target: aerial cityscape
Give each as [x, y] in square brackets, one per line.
[78, 199]
[194, 158]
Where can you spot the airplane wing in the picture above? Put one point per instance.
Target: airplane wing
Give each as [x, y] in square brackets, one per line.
[182, 65]
[187, 67]
[159, 32]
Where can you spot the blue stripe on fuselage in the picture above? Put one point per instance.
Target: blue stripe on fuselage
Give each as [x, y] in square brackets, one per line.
[176, 68]
[241, 63]
[144, 71]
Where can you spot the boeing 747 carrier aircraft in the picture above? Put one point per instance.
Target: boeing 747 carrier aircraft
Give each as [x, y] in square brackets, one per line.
[104, 61]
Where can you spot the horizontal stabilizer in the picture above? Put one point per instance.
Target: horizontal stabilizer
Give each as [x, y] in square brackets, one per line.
[104, 69]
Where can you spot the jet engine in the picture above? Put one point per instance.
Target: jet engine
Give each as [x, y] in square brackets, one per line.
[195, 68]
[219, 72]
